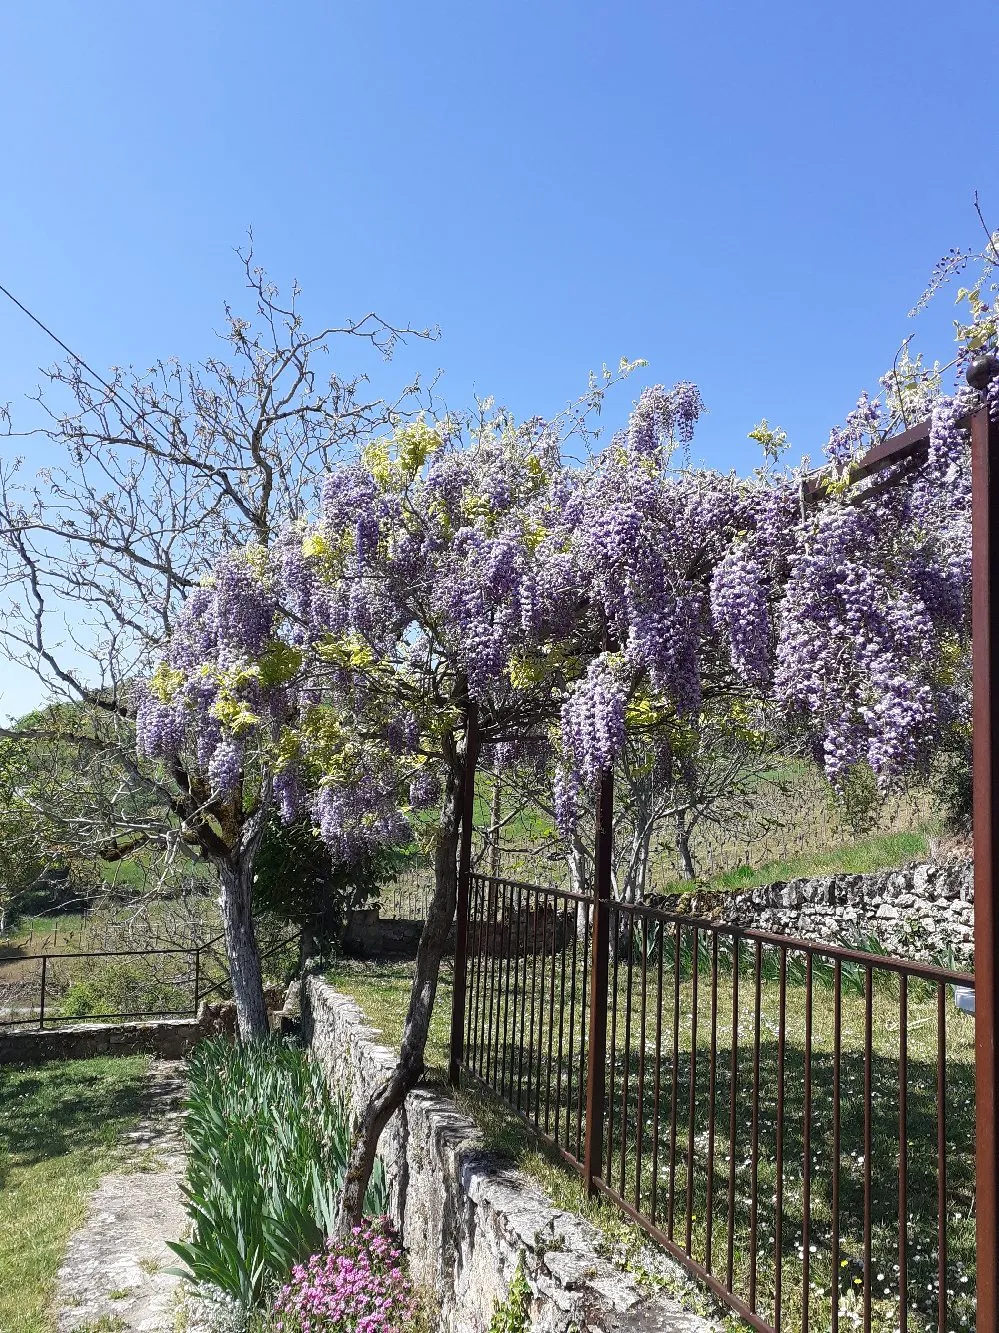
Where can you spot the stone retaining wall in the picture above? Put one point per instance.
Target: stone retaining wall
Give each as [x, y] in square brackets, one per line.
[369, 935]
[170, 1039]
[921, 911]
[466, 1217]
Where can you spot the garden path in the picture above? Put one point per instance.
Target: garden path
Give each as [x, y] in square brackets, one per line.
[113, 1277]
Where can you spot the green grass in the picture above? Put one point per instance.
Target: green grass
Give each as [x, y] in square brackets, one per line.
[61, 1127]
[879, 852]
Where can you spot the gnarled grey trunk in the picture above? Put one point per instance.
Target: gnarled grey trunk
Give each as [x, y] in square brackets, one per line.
[236, 902]
[392, 1093]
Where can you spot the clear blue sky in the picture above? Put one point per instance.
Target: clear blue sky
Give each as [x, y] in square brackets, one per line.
[749, 195]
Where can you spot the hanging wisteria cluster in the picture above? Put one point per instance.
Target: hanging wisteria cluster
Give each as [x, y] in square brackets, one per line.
[566, 599]
[873, 618]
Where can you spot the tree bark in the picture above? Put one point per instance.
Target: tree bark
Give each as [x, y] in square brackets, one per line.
[494, 829]
[440, 914]
[683, 847]
[236, 902]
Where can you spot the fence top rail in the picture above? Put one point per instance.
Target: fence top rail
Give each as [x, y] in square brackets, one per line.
[885, 962]
[107, 953]
[117, 953]
[569, 894]
[86, 1020]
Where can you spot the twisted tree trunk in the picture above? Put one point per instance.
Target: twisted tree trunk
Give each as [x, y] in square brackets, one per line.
[409, 1069]
[236, 903]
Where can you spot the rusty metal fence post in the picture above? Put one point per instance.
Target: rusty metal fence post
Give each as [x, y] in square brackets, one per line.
[464, 871]
[596, 1063]
[985, 689]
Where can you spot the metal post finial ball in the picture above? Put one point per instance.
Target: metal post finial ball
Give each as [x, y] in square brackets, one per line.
[983, 371]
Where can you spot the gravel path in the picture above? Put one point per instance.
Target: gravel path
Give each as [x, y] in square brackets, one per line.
[113, 1269]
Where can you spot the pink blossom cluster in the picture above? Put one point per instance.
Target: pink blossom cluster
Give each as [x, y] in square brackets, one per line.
[355, 1286]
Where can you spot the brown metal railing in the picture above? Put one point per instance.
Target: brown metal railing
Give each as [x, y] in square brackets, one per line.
[793, 1121]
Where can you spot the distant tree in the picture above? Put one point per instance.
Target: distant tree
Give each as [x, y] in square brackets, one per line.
[297, 879]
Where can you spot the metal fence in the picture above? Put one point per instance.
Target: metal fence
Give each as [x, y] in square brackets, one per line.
[794, 1122]
[56, 971]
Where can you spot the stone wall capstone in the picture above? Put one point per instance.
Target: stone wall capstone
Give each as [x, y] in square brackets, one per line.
[170, 1039]
[466, 1216]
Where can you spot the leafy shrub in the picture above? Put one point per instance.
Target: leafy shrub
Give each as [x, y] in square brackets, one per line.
[355, 1286]
[296, 879]
[267, 1151]
[514, 1314]
[124, 987]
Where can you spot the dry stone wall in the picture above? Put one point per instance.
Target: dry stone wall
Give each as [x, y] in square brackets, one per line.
[466, 1216]
[170, 1039]
[923, 911]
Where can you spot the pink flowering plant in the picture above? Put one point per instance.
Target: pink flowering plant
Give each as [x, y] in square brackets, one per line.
[356, 1285]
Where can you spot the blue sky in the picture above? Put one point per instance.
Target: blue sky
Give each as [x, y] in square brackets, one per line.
[748, 195]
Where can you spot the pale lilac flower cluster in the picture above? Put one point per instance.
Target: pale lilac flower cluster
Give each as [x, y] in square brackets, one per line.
[664, 416]
[593, 726]
[861, 429]
[740, 608]
[356, 1286]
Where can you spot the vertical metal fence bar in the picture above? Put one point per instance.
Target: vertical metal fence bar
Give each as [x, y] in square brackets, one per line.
[585, 1030]
[542, 956]
[493, 968]
[640, 1108]
[903, 1154]
[41, 1006]
[754, 1168]
[779, 1164]
[557, 1119]
[806, 1145]
[941, 1158]
[614, 932]
[653, 1211]
[569, 1060]
[502, 1043]
[551, 1015]
[485, 927]
[596, 1075]
[626, 926]
[834, 1201]
[868, 1139]
[712, 1087]
[692, 1090]
[197, 979]
[500, 931]
[732, 1123]
[532, 1032]
[671, 1200]
[518, 953]
[523, 913]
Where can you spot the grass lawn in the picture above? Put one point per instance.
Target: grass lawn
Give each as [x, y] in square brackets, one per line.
[879, 852]
[61, 1126]
[382, 991]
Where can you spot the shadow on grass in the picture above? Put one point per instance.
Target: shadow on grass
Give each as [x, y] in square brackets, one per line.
[49, 1110]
